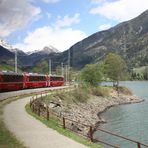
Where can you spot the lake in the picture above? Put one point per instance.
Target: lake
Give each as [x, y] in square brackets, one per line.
[128, 120]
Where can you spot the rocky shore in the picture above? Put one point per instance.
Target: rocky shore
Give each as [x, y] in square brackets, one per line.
[89, 112]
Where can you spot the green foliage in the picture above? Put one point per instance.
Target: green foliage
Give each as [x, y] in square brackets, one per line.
[140, 73]
[8, 67]
[41, 67]
[80, 95]
[99, 91]
[115, 67]
[146, 73]
[92, 74]
[124, 90]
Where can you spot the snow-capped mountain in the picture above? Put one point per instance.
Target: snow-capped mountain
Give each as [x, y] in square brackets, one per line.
[5, 45]
[9, 47]
[46, 50]
[7, 53]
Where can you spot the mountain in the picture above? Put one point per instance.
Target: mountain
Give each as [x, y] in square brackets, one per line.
[46, 50]
[32, 58]
[7, 55]
[129, 39]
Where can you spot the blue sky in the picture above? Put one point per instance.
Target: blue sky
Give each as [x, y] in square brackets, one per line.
[32, 24]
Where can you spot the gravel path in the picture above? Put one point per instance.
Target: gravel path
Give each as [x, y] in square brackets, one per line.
[30, 131]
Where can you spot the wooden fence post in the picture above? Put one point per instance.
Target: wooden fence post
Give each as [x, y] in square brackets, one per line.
[47, 113]
[39, 110]
[91, 133]
[138, 145]
[64, 123]
[32, 107]
[30, 102]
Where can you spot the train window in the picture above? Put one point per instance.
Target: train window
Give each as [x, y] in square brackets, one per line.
[37, 78]
[12, 78]
[56, 78]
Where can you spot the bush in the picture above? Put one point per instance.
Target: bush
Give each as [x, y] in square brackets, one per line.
[124, 90]
[80, 95]
[100, 91]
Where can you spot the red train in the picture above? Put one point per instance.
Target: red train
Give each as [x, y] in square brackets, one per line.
[14, 81]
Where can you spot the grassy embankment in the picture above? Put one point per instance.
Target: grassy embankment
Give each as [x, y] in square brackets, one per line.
[83, 94]
[6, 67]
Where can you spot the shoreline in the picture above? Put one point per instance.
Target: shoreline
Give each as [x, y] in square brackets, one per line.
[89, 113]
[108, 107]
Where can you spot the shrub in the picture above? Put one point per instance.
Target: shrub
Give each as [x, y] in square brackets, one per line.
[100, 91]
[80, 95]
[124, 90]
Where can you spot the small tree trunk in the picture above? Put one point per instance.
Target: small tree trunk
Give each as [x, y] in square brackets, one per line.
[117, 87]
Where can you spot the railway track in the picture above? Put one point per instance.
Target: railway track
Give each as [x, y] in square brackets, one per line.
[6, 95]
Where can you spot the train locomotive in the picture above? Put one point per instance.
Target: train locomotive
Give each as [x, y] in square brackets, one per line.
[14, 81]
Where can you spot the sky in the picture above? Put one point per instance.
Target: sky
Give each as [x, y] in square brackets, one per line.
[33, 24]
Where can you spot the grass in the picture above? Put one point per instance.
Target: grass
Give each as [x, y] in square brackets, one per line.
[54, 125]
[100, 91]
[7, 139]
[8, 67]
[125, 90]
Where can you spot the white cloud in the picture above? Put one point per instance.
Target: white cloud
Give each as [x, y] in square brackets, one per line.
[51, 1]
[15, 14]
[121, 10]
[104, 27]
[59, 36]
[67, 21]
[98, 1]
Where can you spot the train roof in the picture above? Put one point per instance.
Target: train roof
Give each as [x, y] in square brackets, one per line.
[56, 76]
[30, 74]
[9, 73]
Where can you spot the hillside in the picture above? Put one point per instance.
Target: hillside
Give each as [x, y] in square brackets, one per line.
[129, 39]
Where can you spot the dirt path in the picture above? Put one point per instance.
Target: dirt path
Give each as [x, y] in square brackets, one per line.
[30, 131]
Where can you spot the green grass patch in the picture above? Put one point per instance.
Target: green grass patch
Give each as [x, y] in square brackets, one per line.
[125, 90]
[100, 91]
[54, 125]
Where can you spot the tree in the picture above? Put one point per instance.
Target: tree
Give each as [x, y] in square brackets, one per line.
[146, 73]
[92, 74]
[115, 68]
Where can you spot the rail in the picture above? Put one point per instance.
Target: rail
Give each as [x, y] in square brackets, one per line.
[73, 125]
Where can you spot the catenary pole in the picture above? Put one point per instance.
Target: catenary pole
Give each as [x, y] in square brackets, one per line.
[49, 66]
[15, 60]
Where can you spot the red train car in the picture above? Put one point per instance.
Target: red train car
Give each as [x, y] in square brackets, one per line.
[11, 81]
[56, 80]
[35, 80]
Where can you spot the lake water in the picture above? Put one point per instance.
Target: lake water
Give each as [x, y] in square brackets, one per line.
[128, 120]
